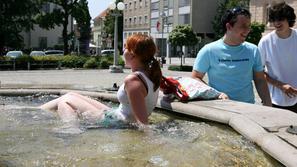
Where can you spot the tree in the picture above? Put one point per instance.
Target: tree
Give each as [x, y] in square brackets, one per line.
[60, 16]
[224, 5]
[109, 25]
[16, 16]
[256, 33]
[183, 35]
[83, 20]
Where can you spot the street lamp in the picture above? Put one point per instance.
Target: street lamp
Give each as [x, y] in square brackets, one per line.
[117, 7]
[164, 19]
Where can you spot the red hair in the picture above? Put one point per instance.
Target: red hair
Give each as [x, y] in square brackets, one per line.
[144, 48]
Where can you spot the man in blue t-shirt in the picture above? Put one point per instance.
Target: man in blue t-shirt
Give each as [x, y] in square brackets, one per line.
[231, 63]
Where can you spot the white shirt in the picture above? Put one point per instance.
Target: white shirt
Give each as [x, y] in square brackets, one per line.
[280, 59]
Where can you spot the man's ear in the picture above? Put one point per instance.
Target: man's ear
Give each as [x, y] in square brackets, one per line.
[228, 26]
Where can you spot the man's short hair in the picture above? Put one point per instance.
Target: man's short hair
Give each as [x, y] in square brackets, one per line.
[282, 11]
[230, 16]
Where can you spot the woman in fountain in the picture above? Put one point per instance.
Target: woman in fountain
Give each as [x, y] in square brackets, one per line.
[137, 96]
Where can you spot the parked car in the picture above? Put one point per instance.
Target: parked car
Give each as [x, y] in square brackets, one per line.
[108, 52]
[37, 53]
[14, 54]
[54, 52]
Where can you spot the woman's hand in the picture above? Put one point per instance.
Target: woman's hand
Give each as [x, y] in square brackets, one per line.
[223, 96]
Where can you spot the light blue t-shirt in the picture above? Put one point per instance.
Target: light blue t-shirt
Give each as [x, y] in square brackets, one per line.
[230, 68]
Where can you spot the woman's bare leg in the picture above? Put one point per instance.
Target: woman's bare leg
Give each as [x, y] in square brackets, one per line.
[51, 105]
[66, 112]
[76, 103]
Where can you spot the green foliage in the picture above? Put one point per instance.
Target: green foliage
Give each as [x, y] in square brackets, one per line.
[256, 33]
[45, 62]
[183, 35]
[73, 61]
[91, 63]
[104, 64]
[83, 20]
[76, 8]
[16, 16]
[47, 58]
[24, 58]
[180, 68]
[224, 5]
[109, 25]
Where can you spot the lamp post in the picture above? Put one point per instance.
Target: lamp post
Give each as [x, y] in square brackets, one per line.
[117, 7]
[163, 16]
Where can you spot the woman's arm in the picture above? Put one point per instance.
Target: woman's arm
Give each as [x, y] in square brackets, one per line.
[136, 92]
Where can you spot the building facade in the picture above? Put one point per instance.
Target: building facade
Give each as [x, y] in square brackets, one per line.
[166, 14]
[136, 18]
[40, 39]
[259, 11]
[100, 38]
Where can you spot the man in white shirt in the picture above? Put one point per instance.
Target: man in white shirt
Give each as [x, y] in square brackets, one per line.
[279, 56]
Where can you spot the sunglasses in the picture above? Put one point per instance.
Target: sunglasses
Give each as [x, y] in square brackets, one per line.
[237, 10]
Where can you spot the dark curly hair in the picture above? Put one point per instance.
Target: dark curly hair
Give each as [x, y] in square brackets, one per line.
[282, 11]
[230, 16]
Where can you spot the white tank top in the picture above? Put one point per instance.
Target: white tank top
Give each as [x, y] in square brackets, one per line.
[150, 99]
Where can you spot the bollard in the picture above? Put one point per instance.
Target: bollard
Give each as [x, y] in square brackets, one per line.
[28, 65]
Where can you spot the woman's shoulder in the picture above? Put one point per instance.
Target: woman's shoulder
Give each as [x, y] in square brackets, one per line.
[130, 78]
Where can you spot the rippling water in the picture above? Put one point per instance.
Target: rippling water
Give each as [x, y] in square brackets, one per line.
[32, 137]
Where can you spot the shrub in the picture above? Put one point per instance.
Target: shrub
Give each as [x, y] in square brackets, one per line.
[73, 61]
[104, 64]
[256, 33]
[24, 58]
[91, 63]
[180, 68]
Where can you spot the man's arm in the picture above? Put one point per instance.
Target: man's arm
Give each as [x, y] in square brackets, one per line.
[262, 88]
[200, 75]
[286, 88]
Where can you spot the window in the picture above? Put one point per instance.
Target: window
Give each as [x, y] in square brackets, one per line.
[140, 3]
[130, 21]
[170, 20]
[135, 5]
[139, 20]
[134, 21]
[170, 4]
[184, 19]
[125, 23]
[145, 20]
[145, 3]
[165, 4]
[126, 6]
[155, 6]
[182, 3]
[154, 22]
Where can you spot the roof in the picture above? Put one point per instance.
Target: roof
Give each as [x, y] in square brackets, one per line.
[101, 15]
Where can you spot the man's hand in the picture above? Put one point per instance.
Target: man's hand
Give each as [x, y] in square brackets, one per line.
[223, 96]
[289, 90]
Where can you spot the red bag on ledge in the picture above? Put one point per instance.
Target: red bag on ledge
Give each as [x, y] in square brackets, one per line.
[187, 88]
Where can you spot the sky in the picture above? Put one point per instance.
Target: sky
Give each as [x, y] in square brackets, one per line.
[97, 6]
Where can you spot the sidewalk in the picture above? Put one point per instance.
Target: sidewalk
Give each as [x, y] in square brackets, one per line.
[74, 79]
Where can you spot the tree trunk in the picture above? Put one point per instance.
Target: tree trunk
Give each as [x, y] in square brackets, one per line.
[65, 33]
